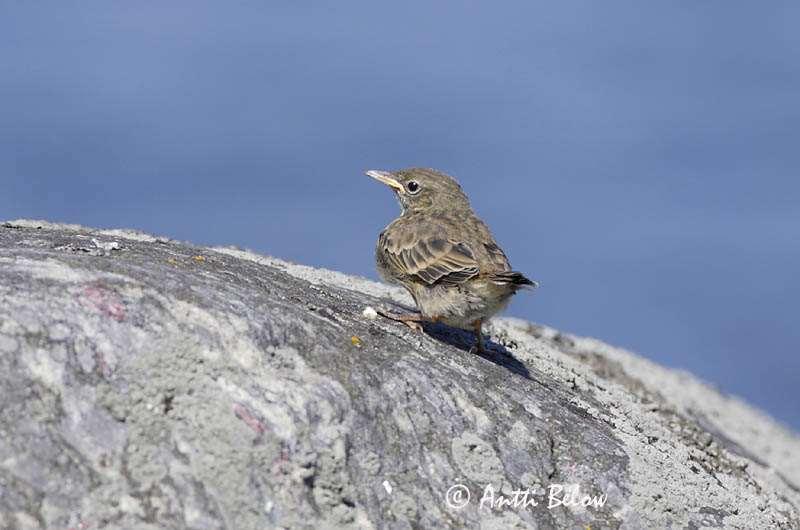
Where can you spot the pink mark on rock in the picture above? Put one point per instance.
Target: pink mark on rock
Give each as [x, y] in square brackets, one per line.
[99, 297]
[244, 414]
[101, 365]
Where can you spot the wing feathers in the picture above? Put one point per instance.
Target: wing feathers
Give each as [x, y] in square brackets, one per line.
[432, 259]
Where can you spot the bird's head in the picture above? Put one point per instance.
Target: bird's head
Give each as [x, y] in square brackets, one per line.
[420, 189]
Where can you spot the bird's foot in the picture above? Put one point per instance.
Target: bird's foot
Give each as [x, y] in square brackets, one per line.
[479, 347]
[412, 320]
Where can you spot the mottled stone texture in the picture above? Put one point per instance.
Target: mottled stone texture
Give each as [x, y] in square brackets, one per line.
[152, 384]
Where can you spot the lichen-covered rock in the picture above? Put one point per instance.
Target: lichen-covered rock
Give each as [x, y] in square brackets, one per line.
[147, 383]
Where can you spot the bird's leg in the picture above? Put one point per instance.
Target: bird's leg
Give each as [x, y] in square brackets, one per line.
[412, 320]
[478, 336]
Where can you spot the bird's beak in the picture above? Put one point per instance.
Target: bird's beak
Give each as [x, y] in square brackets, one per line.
[386, 178]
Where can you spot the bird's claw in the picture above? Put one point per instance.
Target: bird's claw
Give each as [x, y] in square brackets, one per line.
[412, 320]
[478, 349]
[415, 326]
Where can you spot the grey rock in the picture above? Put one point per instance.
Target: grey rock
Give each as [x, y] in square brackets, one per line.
[148, 383]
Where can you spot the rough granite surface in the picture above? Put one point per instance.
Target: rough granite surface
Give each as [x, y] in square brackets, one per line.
[148, 384]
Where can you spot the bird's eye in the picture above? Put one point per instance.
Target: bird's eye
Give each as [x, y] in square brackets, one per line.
[413, 187]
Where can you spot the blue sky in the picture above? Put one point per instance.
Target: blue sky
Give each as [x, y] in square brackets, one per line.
[640, 160]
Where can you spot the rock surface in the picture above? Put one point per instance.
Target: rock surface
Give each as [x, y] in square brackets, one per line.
[152, 384]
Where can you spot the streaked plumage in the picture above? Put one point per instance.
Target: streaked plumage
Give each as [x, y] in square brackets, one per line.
[442, 253]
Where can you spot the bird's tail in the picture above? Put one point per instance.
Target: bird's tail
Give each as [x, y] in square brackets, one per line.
[517, 279]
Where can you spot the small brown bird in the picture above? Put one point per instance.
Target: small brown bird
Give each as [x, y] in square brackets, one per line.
[443, 254]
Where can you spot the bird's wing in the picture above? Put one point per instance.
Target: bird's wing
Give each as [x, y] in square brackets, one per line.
[430, 257]
[496, 255]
